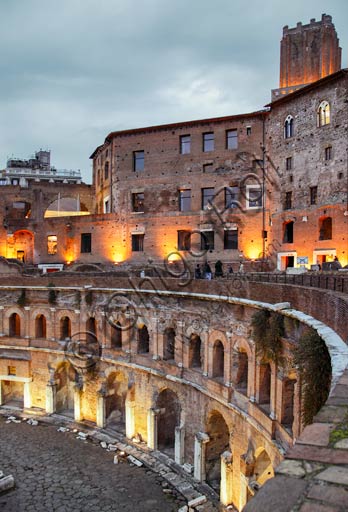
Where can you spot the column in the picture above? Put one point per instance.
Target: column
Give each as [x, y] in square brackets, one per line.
[179, 448]
[51, 398]
[201, 439]
[2, 333]
[273, 397]
[27, 395]
[152, 428]
[130, 419]
[77, 403]
[153, 333]
[27, 322]
[179, 343]
[1, 394]
[227, 362]
[53, 327]
[207, 352]
[226, 478]
[101, 410]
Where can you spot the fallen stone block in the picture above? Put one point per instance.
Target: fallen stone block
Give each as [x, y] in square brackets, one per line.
[116, 460]
[112, 448]
[134, 461]
[188, 468]
[7, 483]
[32, 422]
[103, 444]
[183, 509]
[197, 501]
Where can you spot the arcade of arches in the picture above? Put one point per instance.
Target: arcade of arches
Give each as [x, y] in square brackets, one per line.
[192, 389]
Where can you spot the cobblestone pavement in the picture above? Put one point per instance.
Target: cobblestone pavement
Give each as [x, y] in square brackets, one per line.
[56, 472]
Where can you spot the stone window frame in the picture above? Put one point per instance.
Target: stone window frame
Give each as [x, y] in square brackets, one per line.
[185, 144]
[289, 127]
[323, 114]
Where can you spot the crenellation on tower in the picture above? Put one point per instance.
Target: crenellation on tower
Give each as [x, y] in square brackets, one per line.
[307, 54]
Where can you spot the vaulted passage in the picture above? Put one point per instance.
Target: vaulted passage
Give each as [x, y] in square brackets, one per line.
[116, 392]
[169, 418]
[66, 380]
[219, 442]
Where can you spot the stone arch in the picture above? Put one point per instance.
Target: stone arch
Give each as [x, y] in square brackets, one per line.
[116, 335]
[66, 379]
[195, 352]
[169, 418]
[14, 325]
[219, 442]
[115, 399]
[218, 365]
[287, 406]
[66, 206]
[64, 327]
[288, 126]
[264, 385]
[169, 344]
[143, 339]
[323, 114]
[40, 326]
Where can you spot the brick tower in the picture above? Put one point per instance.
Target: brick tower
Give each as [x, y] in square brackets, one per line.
[307, 53]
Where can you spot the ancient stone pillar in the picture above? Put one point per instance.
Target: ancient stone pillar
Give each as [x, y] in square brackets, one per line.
[179, 343]
[130, 419]
[77, 403]
[101, 410]
[179, 448]
[226, 478]
[51, 398]
[201, 439]
[1, 394]
[152, 428]
[2, 333]
[27, 322]
[27, 395]
[53, 329]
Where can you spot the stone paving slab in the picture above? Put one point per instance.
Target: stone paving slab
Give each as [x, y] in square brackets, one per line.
[181, 483]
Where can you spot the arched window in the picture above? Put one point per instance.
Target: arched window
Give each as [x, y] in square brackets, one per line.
[242, 372]
[323, 114]
[325, 228]
[169, 344]
[288, 127]
[265, 386]
[40, 326]
[65, 328]
[91, 329]
[14, 325]
[218, 360]
[143, 340]
[116, 335]
[195, 357]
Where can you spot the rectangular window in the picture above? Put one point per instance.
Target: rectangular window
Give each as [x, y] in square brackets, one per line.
[138, 160]
[86, 242]
[288, 201]
[207, 167]
[288, 163]
[138, 202]
[106, 170]
[138, 243]
[328, 153]
[207, 197]
[11, 370]
[207, 240]
[231, 139]
[185, 200]
[231, 239]
[313, 195]
[231, 197]
[184, 240]
[185, 144]
[208, 142]
[254, 196]
[248, 130]
[52, 244]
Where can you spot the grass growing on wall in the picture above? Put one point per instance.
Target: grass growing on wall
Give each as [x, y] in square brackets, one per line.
[314, 366]
[268, 330]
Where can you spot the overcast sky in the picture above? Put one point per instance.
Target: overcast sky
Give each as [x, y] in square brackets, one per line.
[71, 71]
